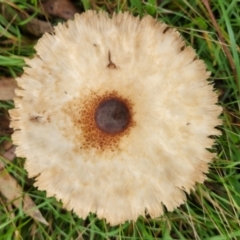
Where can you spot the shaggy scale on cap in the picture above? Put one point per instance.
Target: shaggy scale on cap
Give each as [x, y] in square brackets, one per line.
[114, 116]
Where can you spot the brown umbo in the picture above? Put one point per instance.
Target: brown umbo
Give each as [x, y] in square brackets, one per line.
[112, 116]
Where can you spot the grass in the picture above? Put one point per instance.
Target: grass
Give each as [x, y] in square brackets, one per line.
[212, 211]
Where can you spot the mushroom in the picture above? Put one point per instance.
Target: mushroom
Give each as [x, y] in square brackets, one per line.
[113, 116]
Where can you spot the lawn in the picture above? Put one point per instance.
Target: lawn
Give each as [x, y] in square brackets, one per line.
[212, 211]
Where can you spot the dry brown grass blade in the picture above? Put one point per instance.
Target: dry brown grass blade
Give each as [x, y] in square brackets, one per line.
[221, 38]
[5, 129]
[35, 26]
[11, 215]
[14, 194]
[10, 153]
[7, 87]
[61, 8]
[38, 27]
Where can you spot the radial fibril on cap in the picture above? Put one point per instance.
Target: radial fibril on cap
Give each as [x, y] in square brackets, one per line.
[115, 116]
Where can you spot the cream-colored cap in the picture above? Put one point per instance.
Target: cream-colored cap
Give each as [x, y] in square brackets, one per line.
[161, 151]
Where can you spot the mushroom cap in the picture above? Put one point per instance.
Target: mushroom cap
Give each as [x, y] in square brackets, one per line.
[160, 152]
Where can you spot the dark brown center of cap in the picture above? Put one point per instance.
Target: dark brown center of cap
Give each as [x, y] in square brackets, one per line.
[112, 116]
